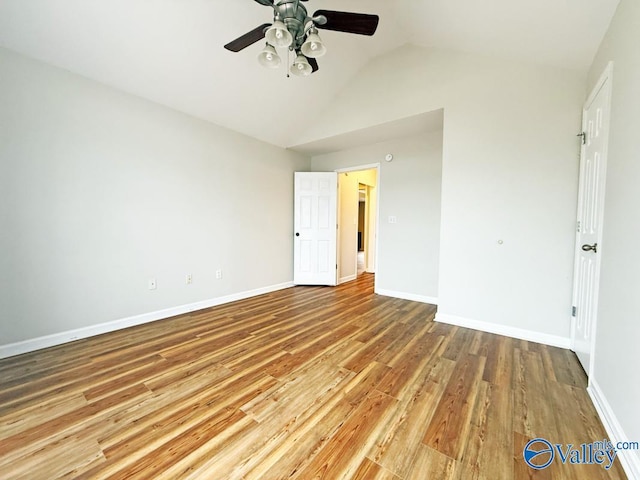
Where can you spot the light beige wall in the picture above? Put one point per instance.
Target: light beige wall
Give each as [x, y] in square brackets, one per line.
[368, 177]
[101, 191]
[617, 355]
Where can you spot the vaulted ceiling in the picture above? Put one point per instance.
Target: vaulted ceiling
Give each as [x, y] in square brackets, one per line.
[171, 51]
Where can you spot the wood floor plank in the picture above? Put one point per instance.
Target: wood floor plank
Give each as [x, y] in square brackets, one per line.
[449, 427]
[417, 325]
[35, 438]
[299, 448]
[563, 365]
[533, 413]
[410, 365]
[498, 368]
[373, 348]
[22, 420]
[73, 381]
[341, 457]
[397, 447]
[368, 470]
[489, 451]
[572, 408]
[171, 455]
[431, 462]
[302, 383]
[73, 452]
[185, 414]
[460, 344]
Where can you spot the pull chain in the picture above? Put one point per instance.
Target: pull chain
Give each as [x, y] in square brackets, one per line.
[288, 61]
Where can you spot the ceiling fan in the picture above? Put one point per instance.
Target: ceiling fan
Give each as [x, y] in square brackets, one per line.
[294, 29]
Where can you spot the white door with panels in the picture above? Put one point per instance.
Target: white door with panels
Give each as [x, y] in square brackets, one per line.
[315, 228]
[593, 166]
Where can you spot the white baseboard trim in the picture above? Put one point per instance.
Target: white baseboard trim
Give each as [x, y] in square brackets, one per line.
[348, 278]
[38, 343]
[507, 331]
[407, 296]
[628, 458]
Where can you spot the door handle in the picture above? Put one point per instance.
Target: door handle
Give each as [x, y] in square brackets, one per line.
[586, 247]
[297, 234]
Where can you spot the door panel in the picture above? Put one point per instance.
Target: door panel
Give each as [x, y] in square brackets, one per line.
[589, 226]
[315, 229]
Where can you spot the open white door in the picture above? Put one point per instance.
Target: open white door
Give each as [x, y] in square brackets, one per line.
[315, 228]
[593, 166]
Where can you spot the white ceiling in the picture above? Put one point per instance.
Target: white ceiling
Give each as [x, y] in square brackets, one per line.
[171, 51]
[405, 127]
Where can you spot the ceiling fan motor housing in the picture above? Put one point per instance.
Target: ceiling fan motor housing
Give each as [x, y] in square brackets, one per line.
[294, 15]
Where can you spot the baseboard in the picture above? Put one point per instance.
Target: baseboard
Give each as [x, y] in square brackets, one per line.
[628, 458]
[38, 343]
[414, 297]
[507, 331]
[348, 278]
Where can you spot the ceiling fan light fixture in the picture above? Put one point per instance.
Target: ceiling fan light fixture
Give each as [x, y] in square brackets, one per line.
[313, 46]
[278, 35]
[301, 66]
[268, 57]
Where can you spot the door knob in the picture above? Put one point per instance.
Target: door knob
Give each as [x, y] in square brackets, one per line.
[586, 247]
[297, 234]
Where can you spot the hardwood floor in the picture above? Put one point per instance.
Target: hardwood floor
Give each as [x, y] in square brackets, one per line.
[304, 383]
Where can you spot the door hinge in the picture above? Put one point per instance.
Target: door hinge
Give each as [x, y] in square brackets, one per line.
[573, 311]
[584, 137]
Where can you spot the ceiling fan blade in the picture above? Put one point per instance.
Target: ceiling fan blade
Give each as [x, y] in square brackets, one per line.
[314, 64]
[268, 3]
[247, 39]
[360, 23]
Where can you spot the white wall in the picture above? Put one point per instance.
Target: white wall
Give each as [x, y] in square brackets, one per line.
[409, 188]
[617, 355]
[510, 169]
[101, 191]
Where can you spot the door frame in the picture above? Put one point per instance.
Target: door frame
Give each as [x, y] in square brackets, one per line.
[366, 228]
[369, 166]
[605, 81]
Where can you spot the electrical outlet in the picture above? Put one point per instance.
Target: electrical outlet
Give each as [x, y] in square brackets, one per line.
[219, 274]
[152, 284]
[393, 219]
[189, 279]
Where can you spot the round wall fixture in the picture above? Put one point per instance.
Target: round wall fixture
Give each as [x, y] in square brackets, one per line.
[388, 157]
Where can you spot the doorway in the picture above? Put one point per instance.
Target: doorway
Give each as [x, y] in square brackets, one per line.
[357, 218]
